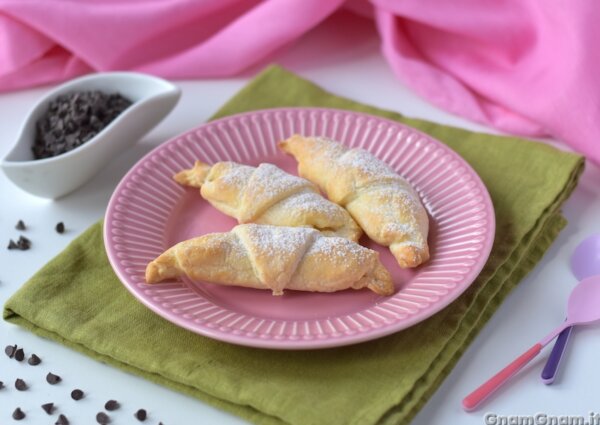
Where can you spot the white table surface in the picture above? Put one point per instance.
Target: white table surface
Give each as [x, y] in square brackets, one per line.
[529, 312]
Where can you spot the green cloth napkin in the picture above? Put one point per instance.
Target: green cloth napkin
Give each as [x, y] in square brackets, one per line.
[77, 300]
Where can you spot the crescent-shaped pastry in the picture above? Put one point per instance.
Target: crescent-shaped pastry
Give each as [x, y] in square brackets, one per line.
[275, 258]
[385, 205]
[268, 195]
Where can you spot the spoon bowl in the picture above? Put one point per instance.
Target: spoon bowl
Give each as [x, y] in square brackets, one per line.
[585, 260]
[584, 302]
[152, 99]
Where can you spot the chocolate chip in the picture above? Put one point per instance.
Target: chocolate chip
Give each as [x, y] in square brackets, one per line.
[48, 408]
[10, 350]
[1, 385]
[62, 420]
[12, 245]
[53, 379]
[20, 384]
[23, 243]
[60, 227]
[34, 360]
[140, 415]
[112, 405]
[77, 395]
[102, 418]
[19, 355]
[20, 225]
[18, 414]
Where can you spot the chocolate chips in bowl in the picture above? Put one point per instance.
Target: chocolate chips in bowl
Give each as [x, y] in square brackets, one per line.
[80, 127]
[75, 118]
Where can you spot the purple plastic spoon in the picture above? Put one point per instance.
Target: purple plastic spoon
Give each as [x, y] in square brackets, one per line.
[585, 262]
[582, 308]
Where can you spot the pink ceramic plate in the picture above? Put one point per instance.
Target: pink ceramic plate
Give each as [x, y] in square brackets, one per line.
[149, 212]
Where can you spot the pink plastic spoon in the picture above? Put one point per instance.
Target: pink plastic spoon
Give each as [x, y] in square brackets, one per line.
[583, 308]
[585, 262]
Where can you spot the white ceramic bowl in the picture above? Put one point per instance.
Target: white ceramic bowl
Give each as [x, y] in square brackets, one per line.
[152, 99]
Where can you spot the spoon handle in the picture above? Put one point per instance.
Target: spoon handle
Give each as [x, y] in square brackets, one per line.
[471, 401]
[553, 362]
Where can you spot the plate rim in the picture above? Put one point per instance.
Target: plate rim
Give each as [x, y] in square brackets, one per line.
[302, 344]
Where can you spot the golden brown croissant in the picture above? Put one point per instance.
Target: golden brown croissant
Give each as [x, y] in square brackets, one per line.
[382, 203]
[268, 195]
[275, 258]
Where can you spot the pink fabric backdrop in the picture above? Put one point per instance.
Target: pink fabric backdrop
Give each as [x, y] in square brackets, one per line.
[528, 67]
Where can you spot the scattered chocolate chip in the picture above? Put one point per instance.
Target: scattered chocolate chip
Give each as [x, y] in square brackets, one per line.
[19, 355]
[74, 118]
[48, 408]
[20, 384]
[12, 245]
[53, 379]
[60, 227]
[23, 243]
[10, 350]
[77, 394]
[18, 414]
[140, 415]
[112, 405]
[20, 225]
[62, 420]
[102, 418]
[34, 360]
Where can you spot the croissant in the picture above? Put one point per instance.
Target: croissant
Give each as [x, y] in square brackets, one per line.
[275, 258]
[384, 204]
[268, 195]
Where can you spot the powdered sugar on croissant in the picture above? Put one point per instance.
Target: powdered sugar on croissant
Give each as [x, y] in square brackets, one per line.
[275, 258]
[268, 195]
[384, 204]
